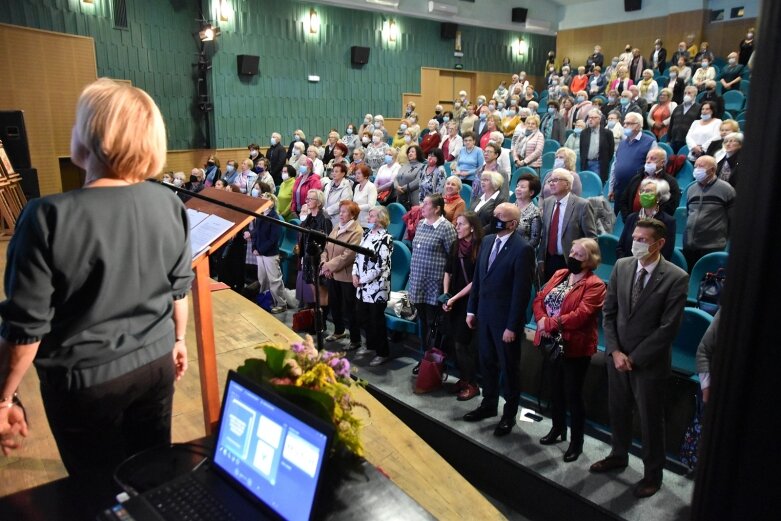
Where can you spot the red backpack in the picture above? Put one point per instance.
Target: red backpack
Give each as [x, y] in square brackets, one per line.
[674, 164]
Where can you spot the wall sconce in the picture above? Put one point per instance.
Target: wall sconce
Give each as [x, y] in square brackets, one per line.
[314, 21]
[225, 11]
[523, 47]
[393, 31]
[88, 1]
[208, 33]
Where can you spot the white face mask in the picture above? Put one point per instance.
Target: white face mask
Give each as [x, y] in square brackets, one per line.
[296, 152]
[700, 174]
[640, 250]
[687, 99]
[285, 176]
[407, 139]
[375, 139]
[177, 181]
[365, 140]
[558, 163]
[255, 192]
[253, 154]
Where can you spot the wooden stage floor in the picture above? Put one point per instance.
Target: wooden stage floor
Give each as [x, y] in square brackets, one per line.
[239, 327]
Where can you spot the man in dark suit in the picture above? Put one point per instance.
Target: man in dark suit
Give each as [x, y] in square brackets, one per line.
[276, 156]
[596, 146]
[682, 118]
[500, 294]
[637, 66]
[565, 217]
[658, 58]
[643, 310]
[481, 125]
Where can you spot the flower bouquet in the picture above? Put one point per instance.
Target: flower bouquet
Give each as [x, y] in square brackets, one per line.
[316, 381]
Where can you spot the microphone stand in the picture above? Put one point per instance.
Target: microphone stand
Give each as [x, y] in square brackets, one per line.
[312, 255]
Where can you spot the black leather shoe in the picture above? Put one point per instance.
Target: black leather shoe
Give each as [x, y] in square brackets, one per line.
[416, 369]
[553, 436]
[573, 452]
[481, 413]
[504, 427]
[609, 463]
[645, 488]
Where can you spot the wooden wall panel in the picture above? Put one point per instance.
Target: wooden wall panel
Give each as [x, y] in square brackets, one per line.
[45, 73]
[725, 37]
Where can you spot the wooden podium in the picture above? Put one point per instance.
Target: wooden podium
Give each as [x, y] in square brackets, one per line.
[202, 288]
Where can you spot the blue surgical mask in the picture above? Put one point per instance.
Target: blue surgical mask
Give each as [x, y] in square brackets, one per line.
[273, 141]
[581, 99]
[483, 116]
[611, 124]
[445, 119]
[388, 160]
[628, 132]
[349, 130]
[230, 169]
[700, 174]
[296, 138]
[255, 192]
[624, 102]
[705, 117]
[370, 226]
[303, 169]
[558, 163]
[577, 130]
[551, 110]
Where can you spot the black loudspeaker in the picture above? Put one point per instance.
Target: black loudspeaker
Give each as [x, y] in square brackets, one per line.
[247, 64]
[14, 137]
[633, 5]
[519, 14]
[448, 30]
[30, 186]
[359, 55]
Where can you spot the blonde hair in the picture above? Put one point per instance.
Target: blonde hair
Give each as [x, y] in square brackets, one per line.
[383, 217]
[570, 157]
[121, 126]
[592, 249]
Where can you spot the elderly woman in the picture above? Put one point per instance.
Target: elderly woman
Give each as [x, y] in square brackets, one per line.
[196, 180]
[573, 141]
[510, 121]
[386, 176]
[703, 131]
[367, 125]
[553, 125]
[305, 181]
[212, 171]
[565, 158]
[649, 89]
[622, 81]
[704, 73]
[432, 139]
[338, 190]
[262, 169]
[716, 148]
[339, 156]
[364, 193]
[457, 283]
[366, 139]
[732, 73]
[330, 144]
[313, 218]
[297, 155]
[530, 225]
[359, 157]
[597, 82]
[399, 139]
[675, 85]
[336, 265]
[493, 124]
[492, 155]
[528, 150]
[684, 70]
[350, 139]
[379, 124]
[313, 153]
[407, 183]
[490, 196]
[285, 194]
[371, 279]
[569, 304]
[432, 177]
[452, 143]
[298, 137]
[375, 152]
[614, 126]
[468, 123]
[727, 166]
[433, 240]
[659, 115]
[454, 203]
[246, 177]
[654, 193]
[108, 344]
[469, 160]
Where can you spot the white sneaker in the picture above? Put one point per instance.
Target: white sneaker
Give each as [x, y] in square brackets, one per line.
[362, 350]
[378, 360]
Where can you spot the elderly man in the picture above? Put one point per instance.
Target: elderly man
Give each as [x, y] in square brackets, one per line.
[481, 125]
[277, 156]
[500, 294]
[565, 217]
[682, 118]
[630, 156]
[627, 104]
[708, 206]
[596, 146]
[643, 310]
[655, 161]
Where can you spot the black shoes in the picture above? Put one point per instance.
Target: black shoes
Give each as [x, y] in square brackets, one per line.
[553, 436]
[574, 451]
[481, 413]
[504, 427]
[610, 463]
[646, 488]
[416, 369]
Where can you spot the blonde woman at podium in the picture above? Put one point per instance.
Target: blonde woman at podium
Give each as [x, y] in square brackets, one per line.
[97, 292]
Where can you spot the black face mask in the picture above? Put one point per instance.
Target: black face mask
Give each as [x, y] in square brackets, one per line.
[574, 265]
[498, 225]
[193, 178]
[437, 112]
[210, 163]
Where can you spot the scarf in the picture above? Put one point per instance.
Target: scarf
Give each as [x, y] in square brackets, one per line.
[464, 247]
[450, 199]
[644, 86]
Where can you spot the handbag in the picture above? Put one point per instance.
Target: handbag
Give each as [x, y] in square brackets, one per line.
[265, 300]
[404, 309]
[304, 321]
[552, 346]
[431, 374]
[709, 293]
[384, 196]
[691, 438]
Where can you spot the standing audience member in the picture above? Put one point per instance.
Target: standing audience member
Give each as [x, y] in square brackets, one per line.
[407, 183]
[338, 190]
[630, 156]
[596, 146]
[470, 159]
[371, 279]
[457, 284]
[703, 131]
[432, 177]
[552, 126]
[655, 161]
[313, 218]
[500, 294]
[433, 240]
[386, 176]
[265, 238]
[276, 156]
[364, 193]
[375, 152]
[565, 217]
[313, 153]
[727, 168]
[530, 225]
[682, 118]
[454, 203]
[569, 304]
[746, 47]
[488, 197]
[709, 203]
[676, 84]
[431, 140]
[298, 137]
[285, 194]
[705, 356]
[643, 309]
[528, 149]
[660, 113]
[336, 265]
[654, 192]
[658, 59]
[305, 181]
[246, 177]
[452, 143]
[564, 158]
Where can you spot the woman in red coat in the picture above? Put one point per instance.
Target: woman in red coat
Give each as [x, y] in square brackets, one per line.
[570, 302]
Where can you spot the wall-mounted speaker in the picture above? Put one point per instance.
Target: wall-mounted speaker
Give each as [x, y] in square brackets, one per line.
[247, 64]
[448, 30]
[519, 15]
[359, 55]
[633, 5]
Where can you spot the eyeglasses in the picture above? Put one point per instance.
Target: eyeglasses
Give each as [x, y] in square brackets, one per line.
[311, 198]
[554, 180]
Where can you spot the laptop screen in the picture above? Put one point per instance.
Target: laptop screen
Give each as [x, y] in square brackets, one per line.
[269, 451]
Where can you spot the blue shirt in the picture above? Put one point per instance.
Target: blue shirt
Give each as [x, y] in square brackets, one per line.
[470, 161]
[630, 157]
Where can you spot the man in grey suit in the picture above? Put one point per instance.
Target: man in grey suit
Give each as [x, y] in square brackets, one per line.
[643, 310]
[565, 217]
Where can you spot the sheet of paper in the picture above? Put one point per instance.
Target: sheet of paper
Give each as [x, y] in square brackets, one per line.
[207, 231]
[194, 217]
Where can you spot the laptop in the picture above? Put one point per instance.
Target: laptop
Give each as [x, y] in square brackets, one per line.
[267, 463]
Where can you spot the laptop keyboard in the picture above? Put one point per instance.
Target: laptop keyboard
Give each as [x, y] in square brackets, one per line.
[188, 500]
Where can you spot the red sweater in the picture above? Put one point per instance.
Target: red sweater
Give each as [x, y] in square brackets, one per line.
[578, 315]
[429, 142]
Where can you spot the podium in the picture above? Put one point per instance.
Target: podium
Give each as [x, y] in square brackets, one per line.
[202, 288]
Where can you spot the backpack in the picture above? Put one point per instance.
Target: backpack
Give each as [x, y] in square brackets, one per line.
[709, 293]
